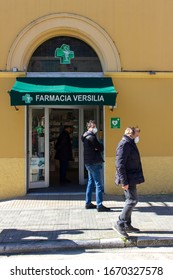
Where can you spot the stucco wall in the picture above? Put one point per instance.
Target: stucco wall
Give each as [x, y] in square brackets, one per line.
[12, 123]
[12, 147]
[146, 103]
[141, 30]
[157, 172]
[12, 177]
[141, 33]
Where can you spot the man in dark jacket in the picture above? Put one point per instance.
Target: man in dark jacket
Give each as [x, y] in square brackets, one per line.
[63, 153]
[128, 173]
[94, 164]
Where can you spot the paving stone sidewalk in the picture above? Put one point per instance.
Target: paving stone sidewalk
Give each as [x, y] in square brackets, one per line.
[55, 221]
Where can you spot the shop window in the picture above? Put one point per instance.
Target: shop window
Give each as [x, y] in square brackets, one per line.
[44, 60]
[37, 148]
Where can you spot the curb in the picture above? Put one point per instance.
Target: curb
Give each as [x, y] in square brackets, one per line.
[65, 244]
[154, 241]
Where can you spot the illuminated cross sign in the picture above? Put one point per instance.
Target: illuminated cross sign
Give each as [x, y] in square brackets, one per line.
[65, 54]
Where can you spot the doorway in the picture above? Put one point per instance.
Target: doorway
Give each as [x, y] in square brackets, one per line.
[45, 125]
[59, 121]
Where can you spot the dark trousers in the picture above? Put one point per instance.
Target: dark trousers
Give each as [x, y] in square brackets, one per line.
[63, 164]
[131, 199]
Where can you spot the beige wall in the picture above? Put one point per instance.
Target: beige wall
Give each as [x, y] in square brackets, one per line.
[157, 171]
[12, 177]
[12, 144]
[146, 103]
[12, 124]
[141, 32]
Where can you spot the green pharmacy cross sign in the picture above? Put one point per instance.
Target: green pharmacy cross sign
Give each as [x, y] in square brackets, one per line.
[27, 98]
[65, 54]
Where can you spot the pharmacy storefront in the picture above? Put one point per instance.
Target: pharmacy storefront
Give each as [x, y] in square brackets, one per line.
[64, 86]
[49, 109]
[62, 69]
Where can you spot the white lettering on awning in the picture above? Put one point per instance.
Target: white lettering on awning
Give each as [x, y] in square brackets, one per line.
[53, 98]
[88, 98]
[67, 98]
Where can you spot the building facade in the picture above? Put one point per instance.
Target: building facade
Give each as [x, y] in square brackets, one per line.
[65, 62]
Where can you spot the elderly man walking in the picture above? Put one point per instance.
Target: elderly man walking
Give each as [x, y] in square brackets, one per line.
[128, 173]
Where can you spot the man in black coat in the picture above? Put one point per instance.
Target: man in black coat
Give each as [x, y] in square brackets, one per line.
[63, 153]
[128, 173]
[94, 164]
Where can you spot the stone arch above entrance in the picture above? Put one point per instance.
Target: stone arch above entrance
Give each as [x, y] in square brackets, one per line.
[64, 24]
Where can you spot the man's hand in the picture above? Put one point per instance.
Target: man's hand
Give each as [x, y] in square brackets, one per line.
[125, 187]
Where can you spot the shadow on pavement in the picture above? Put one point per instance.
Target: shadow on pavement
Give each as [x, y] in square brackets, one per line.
[159, 210]
[15, 235]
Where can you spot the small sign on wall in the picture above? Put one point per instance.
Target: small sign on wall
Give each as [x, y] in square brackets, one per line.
[115, 122]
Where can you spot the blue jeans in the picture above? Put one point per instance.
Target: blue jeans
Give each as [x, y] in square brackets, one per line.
[131, 199]
[95, 179]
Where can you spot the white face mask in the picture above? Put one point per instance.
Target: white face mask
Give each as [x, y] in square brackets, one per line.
[94, 130]
[136, 139]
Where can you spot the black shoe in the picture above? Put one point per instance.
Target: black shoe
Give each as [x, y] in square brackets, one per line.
[132, 229]
[120, 230]
[103, 209]
[90, 206]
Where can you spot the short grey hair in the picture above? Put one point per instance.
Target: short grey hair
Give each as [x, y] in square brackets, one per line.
[90, 123]
[131, 130]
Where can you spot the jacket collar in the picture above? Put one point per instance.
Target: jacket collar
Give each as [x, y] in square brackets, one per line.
[87, 133]
[130, 140]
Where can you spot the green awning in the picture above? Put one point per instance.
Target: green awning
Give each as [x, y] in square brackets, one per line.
[63, 91]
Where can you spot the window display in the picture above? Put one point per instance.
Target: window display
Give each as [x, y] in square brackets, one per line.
[37, 158]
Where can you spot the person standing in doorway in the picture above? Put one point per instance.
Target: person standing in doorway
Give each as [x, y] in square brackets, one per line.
[94, 164]
[63, 152]
[129, 173]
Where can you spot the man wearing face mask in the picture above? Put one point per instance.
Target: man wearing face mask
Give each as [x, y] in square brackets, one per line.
[128, 173]
[94, 164]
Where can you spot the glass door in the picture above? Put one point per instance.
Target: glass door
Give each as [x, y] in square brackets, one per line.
[38, 148]
[42, 137]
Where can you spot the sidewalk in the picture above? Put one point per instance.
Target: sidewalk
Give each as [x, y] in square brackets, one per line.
[39, 223]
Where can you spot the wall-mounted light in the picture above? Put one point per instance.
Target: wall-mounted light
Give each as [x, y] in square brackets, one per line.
[112, 107]
[16, 108]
